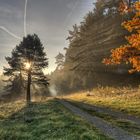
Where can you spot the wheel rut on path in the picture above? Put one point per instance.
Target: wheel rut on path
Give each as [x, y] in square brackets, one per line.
[106, 128]
[117, 114]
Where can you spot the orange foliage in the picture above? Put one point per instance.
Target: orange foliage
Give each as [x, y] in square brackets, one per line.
[129, 53]
[123, 8]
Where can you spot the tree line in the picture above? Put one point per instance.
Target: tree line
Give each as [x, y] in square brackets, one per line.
[91, 42]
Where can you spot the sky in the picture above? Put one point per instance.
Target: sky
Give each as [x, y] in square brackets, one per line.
[49, 19]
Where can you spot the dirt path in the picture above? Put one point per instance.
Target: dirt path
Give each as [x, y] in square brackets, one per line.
[117, 114]
[105, 127]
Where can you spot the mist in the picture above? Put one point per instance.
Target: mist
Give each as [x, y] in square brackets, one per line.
[52, 90]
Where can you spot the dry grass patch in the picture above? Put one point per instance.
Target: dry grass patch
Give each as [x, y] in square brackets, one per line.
[123, 99]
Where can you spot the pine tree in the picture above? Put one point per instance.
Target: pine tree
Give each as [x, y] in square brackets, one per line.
[59, 61]
[27, 62]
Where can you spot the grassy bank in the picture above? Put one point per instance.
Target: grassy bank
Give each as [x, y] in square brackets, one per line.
[46, 120]
[121, 99]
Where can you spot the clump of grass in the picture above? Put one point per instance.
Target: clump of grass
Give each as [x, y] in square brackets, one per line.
[50, 120]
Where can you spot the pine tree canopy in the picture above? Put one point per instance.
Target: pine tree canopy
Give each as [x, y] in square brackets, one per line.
[29, 51]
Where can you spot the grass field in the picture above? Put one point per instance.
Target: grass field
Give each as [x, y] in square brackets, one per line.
[47, 120]
[121, 99]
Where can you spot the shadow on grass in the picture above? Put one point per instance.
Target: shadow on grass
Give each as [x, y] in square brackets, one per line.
[46, 121]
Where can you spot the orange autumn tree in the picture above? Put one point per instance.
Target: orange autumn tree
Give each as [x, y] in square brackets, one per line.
[128, 53]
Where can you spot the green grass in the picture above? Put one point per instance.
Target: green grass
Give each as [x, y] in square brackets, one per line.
[125, 99]
[129, 126]
[44, 121]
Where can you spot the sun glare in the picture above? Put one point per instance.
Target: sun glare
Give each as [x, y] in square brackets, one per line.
[27, 65]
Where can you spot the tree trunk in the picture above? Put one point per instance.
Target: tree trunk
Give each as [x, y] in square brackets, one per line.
[28, 96]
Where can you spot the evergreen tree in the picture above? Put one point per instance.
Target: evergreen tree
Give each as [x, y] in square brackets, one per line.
[27, 63]
[59, 61]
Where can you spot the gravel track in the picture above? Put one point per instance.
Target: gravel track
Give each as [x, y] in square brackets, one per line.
[106, 128]
[116, 114]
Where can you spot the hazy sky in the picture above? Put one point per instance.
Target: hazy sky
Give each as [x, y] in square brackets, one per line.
[50, 19]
